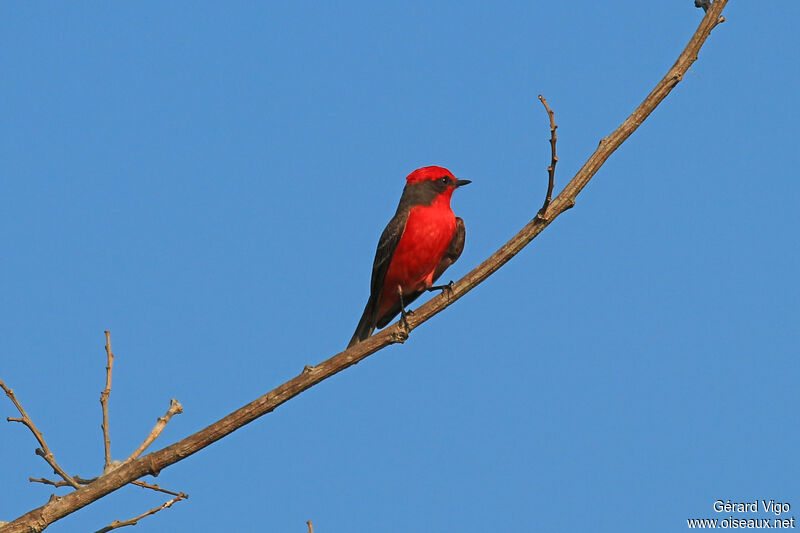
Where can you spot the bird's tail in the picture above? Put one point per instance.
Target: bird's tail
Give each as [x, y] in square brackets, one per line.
[366, 325]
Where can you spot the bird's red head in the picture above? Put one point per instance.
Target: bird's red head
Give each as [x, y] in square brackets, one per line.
[434, 173]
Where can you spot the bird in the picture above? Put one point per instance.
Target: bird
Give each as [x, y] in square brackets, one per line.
[418, 244]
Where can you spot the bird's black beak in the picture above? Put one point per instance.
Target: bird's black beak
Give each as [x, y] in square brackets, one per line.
[459, 183]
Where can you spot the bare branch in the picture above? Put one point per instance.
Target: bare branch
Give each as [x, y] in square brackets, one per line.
[551, 170]
[175, 408]
[310, 527]
[104, 401]
[44, 451]
[116, 524]
[152, 463]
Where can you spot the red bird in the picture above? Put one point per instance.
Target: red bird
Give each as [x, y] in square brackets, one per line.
[423, 238]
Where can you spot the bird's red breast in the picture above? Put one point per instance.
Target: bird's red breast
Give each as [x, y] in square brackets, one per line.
[427, 234]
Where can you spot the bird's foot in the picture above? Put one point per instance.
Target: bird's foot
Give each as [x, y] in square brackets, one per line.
[446, 288]
[404, 313]
[403, 329]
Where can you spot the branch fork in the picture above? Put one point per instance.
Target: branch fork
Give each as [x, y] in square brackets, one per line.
[109, 465]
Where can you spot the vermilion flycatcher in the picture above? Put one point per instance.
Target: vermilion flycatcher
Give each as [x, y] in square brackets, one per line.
[423, 238]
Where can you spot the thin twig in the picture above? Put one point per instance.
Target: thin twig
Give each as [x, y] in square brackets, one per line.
[156, 461]
[49, 482]
[310, 527]
[82, 481]
[551, 170]
[44, 451]
[104, 401]
[156, 488]
[175, 408]
[79, 480]
[133, 521]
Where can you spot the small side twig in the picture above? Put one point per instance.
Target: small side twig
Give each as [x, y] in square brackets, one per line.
[156, 488]
[175, 408]
[44, 451]
[133, 521]
[82, 481]
[104, 401]
[551, 170]
[49, 482]
[310, 527]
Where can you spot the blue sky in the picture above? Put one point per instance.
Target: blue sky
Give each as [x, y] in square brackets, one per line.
[209, 181]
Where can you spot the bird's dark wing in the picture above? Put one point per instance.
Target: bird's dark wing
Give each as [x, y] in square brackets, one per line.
[386, 247]
[450, 256]
[383, 257]
[454, 249]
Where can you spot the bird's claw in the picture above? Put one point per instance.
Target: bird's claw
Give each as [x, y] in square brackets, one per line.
[404, 319]
[446, 288]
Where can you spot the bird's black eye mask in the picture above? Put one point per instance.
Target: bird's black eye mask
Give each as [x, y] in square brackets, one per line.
[423, 192]
[443, 183]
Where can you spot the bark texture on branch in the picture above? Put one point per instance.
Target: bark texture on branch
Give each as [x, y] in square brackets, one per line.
[38, 519]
